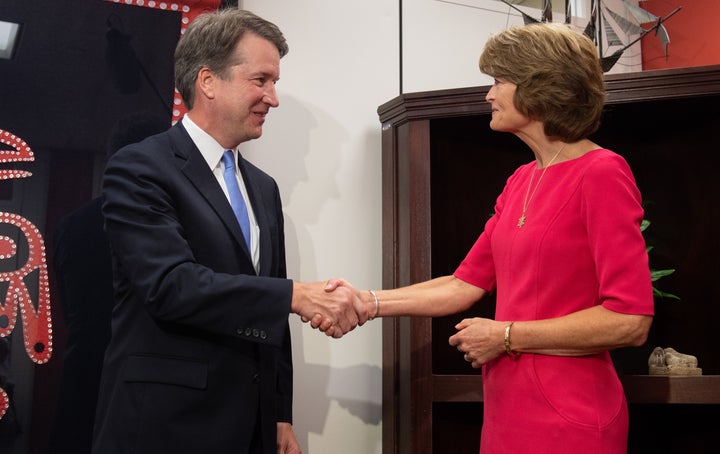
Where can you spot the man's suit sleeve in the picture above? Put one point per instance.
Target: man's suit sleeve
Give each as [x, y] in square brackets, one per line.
[284, 403]
[176, 254]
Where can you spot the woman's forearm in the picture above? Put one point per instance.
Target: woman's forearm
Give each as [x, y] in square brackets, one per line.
[585, 332]
[436, 297]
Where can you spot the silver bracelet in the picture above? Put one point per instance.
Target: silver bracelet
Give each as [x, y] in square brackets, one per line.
[377, 304]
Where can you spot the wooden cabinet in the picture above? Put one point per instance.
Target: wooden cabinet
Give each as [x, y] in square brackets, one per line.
[442, 170]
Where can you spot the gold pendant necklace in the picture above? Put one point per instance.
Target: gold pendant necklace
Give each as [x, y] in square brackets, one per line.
[528, 195]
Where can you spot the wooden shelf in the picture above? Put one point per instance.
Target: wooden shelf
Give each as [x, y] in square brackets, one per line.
[457, 388]
[641, 389]
[624, 88]
[658, 389]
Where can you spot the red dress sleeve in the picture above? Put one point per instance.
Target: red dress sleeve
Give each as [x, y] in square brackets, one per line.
[612, 210]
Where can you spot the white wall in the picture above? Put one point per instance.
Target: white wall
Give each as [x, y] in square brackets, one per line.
[443, 39]
[323, 147]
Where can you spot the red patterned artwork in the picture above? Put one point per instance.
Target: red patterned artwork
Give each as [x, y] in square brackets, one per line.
[35, 315]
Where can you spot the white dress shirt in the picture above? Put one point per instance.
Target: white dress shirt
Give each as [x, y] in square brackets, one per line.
[212, 151]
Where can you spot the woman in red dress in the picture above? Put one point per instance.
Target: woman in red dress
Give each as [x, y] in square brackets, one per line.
[563, 252]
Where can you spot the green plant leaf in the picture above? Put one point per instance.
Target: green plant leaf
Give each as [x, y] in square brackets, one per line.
[657, 274]
[664, 295]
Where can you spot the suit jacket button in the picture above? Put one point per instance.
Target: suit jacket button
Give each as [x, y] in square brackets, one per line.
[248, 332]
[256, 378]
[256, 333]
[263, 334]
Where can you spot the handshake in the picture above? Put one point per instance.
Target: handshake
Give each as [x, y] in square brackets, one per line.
[334, 307]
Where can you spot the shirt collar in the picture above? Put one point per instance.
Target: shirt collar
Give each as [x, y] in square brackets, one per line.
[210, 149]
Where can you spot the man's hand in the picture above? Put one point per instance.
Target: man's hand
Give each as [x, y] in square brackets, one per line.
[286, 441]
[333, 312]
[365, 303]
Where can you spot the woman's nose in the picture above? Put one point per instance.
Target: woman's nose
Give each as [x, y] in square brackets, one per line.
[490, 94]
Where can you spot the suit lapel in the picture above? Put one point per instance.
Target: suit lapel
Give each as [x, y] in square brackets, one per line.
[197, 171]
[258, 207]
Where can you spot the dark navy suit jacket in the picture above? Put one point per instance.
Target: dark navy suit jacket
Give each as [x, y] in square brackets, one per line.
[200, 351]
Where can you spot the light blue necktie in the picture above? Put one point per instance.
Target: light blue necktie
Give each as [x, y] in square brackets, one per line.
[236, 199]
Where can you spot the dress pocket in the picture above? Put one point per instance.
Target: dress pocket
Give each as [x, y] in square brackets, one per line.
[584, 390]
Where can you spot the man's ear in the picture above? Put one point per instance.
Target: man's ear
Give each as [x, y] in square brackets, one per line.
[205, 83]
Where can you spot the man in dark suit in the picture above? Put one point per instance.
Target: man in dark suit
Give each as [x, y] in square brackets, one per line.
[83, 269]
[200, 359]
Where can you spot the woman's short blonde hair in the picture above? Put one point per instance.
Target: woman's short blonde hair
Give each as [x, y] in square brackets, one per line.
[558, 76]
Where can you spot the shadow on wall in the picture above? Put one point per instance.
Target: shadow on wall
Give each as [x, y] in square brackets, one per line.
[357, 389]
[304, 174]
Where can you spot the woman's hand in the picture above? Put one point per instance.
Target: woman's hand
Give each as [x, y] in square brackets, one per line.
[480, 339]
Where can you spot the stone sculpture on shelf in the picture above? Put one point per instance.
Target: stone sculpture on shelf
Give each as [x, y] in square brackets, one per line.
[668, 361]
